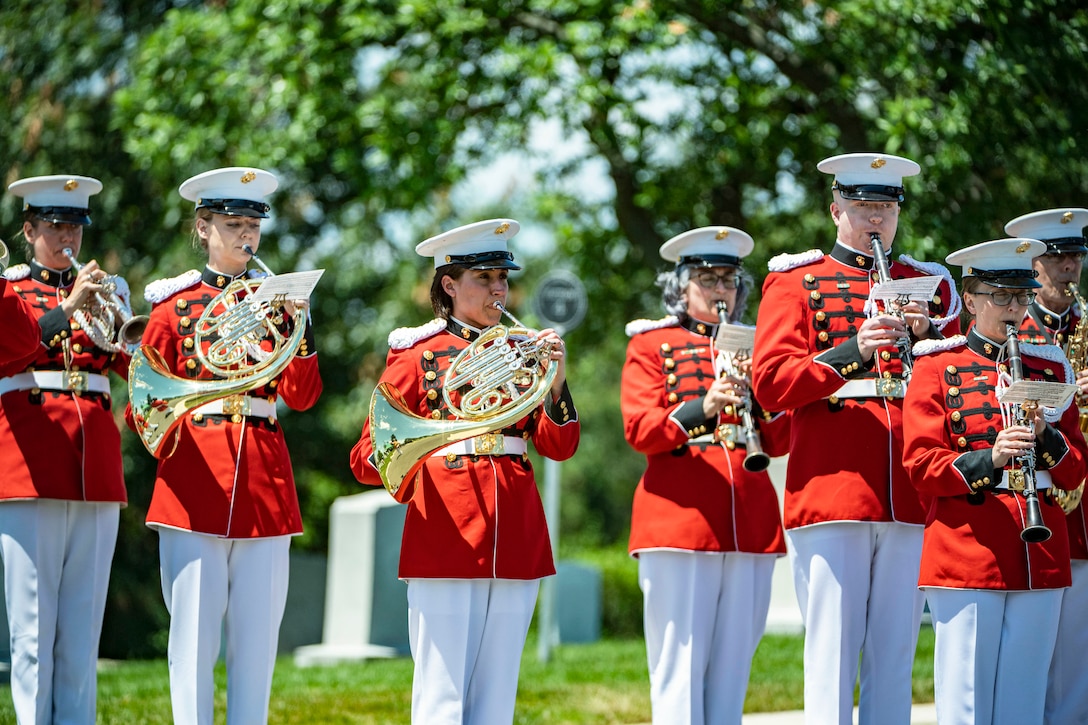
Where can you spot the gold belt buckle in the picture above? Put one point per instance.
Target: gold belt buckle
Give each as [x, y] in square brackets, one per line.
[489, 444]
[236, 405]
[1016, 481]
[75, 381]
[890, 388]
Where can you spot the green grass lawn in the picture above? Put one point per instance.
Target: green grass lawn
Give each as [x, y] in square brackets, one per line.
[604, 682]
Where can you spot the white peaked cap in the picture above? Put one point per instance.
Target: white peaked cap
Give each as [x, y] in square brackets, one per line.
[869, 176]
[480, 245]
[709, 247]
[1062, 229]
[60, 198]
[1001, 262]
[234, 190]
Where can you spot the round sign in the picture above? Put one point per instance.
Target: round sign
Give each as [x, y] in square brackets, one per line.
[560, 300]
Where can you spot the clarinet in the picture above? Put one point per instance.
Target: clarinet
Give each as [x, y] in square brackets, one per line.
[884, 275]
[1035, 531]
[755, 460]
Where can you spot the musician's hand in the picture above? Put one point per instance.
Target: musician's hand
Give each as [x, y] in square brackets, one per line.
[558, 356]
[917, 318]
[86, 285]
[723, 391]
[1082, 381]
[291, 305]
[1016, 440]
[880, 331]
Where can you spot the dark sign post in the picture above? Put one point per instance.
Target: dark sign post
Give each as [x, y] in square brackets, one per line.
[560, 303]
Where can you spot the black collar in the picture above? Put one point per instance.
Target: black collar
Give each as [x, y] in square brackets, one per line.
[851, 257]
[984, 346]
[698, 327]
[462, 329]
[218, 279]
[1051, 321]
[52, 277]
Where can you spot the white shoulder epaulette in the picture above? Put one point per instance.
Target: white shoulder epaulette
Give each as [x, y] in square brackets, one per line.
[404, 337]
[635, 327]
[17, 272]
[157, 291]
[936, 269]
[926, 347]
[784, 262]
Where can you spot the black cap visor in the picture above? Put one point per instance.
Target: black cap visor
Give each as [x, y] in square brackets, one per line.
[484, 260]
[235, 207]
[869, 192]
[62, 214]
[1007, 278]
[709, 260]
[1066, 245]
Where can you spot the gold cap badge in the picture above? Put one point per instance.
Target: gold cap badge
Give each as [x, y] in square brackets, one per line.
[248, 177]
[71, 185]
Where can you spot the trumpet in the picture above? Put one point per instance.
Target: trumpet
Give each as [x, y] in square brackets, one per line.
[107, 318]
[884, 275]
[1035, 531]
[755, 459]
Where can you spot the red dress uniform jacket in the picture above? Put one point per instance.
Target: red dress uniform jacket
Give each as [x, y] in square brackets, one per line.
[972, 538]
[469, 517]
[695, 494]
[58, 444]
[230, 476]
[845, 452]
[20, 335]
[1043, 327]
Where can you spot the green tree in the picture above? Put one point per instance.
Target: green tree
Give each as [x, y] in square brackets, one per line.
[632, 121]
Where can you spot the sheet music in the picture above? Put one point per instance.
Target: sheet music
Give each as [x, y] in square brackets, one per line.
[290, 286]
[916, 289]
[734, 338]
[1050, 395]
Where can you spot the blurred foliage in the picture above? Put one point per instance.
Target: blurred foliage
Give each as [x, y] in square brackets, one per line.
[618, 124]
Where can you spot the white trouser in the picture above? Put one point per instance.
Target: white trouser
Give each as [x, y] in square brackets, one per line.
[1067, 689]
[467, 636]
[992, 654]
[857, 586]
[703, 614]
[213, 585]
[57, 557]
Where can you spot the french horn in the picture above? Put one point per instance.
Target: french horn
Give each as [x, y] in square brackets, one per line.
[107, 317]
[234, 329]
[494, 382]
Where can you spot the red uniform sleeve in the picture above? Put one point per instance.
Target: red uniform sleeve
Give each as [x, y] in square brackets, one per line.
[647, 425]
[20, 337]
[928, 451]
[784, 371]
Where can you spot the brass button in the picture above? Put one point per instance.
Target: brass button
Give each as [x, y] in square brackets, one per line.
[182, 304]
[666, 347]
[937, 300]
[430, 375]
[821, 316]
[814, 295]
[236, 418]
[77, 348]
[186, 322]
[885, 356]
[198, 417]
[961, 442]
[451, 457]
[700, 328]
[428, 355]
[190, 364]
[432, 394]
[833, 399]
[823, 336]
[673, 397]
[956, 416]
[671, 380]
[188, 344]
[953, 391]
[436, 414]
[951, 369]
[810, 278]
[887, 374]
[670, 364]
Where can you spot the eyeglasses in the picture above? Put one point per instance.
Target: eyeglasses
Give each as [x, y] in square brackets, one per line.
[1003, 298]
[709, 280]
[1059, 257]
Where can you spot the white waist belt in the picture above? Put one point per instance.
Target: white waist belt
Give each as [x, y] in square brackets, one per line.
[239, 405]
[488, 444]
[872, 388]
[1042, 480]
[56, 380]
